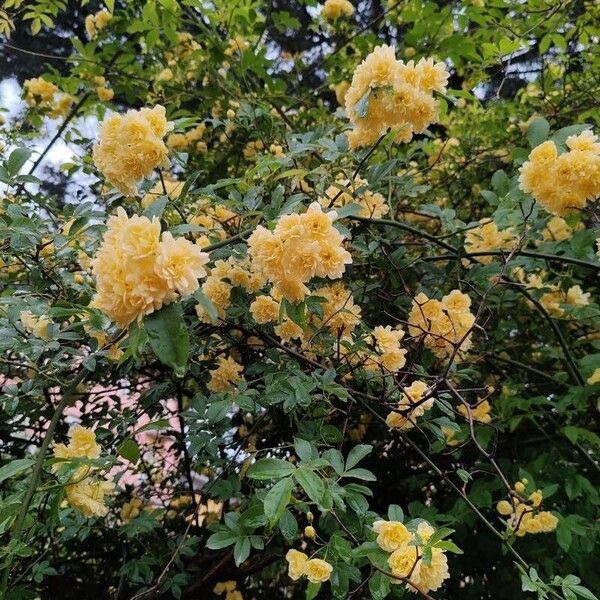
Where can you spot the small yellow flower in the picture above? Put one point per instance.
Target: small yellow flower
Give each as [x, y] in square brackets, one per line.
[391, 534]
[317, 570]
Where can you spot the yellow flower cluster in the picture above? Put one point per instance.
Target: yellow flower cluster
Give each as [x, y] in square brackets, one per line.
[387, 353]
[525, 517]
[298, 249]
[446, 323]
[130, 510]
[334, 9]
[131, 146]
[224, 276]
[212, 217]
[264, 309]
[237, 44]
[39, 92]
[104, 93]
[137, 272]
[37, 326]
[226, 375]
[487, 238]
[387, 94]
[83, 492]
[557, 230]
[229, 589]
[410, 406]
[316, 570]
[171, 187]
[553, 299]
[480, 412]
[252, 147]
[406, 558]
[340, 314]
[372, 203]
[182, 141]
[566, 182]
[97, 22]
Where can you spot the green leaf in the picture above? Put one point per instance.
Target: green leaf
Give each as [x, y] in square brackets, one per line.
[303, 448]
[312, 589]
[270, 468]
[159, 424]
[222, 539]
[335, 459]
[362, 106]
[169, 337]
[241, 551]
[129, 450]
[379, 586]
[464, 475]
[583, 592]
[449, 546]
[277, 499]
[288, 526]
[15, 467]
[357, 454]
[311, 483]
[363, 474]
[157, 208]
[537, 132]
[18, 157]
[395, 513]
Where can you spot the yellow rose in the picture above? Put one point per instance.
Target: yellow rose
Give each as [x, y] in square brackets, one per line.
[296, 563]
[317, 570]
[391, 534]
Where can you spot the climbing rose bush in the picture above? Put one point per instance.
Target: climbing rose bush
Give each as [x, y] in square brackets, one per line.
[300, 301]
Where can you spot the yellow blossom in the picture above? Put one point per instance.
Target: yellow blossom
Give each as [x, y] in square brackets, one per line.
[296, 563]
[225, 376]
[411, 406]
[335, 9]
[136, 273]
[445, 324]
[298, 249]
[487, 238]
[125, 164]
[594, 377]
[264, 309]
[36, 325]
[105, 94]
[386, 93]
[372, 204]
[391, 534]
[317, 570]
[557, 230]
[480, 412]
[566, 182]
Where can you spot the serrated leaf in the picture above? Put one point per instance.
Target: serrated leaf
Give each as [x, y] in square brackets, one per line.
[311, 483]
[270, 468]
[537, 132]
[15, 467]
[303, 448]
[18, 157]
[362, 106]
[277, 499]
[241, 551]
[169, 337]
[222, 539]
[357, 454]
[129, 450]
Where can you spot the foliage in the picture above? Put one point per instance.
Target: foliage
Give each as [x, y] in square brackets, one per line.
[236, 431]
